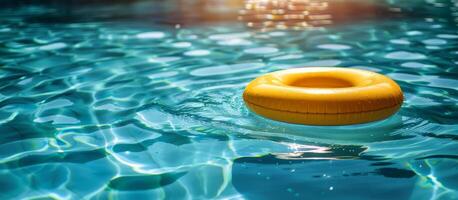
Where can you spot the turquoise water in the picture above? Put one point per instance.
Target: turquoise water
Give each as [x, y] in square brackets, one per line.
[137, 109]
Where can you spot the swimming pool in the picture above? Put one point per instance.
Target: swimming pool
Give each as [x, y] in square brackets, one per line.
[97, 108]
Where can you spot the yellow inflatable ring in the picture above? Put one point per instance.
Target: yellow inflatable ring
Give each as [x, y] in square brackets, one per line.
[323, 96]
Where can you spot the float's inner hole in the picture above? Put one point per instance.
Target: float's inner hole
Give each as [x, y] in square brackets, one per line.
[321, 82]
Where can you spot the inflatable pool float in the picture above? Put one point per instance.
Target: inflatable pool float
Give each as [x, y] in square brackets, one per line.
[323, 96]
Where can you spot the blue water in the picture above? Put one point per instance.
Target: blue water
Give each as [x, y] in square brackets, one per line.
[124, 109]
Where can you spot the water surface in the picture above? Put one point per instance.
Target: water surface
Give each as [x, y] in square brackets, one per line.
[138, 109]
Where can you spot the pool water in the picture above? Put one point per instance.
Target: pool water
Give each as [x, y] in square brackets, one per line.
[119, 109]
